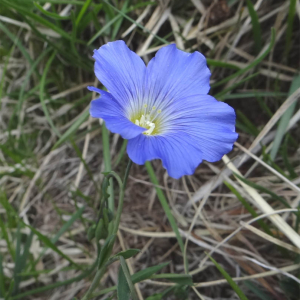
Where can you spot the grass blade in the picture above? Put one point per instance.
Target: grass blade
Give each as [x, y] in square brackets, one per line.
[182, 279]
[252, 65]
[50, 14]
[289, 30]
[250, 209]
[42, 86]
[147, 273]
[2, 287]
[18, 261]
[50, 245]
[285, 119]
[72, 129]
[54, 285]
[82, 11]
[164, 204]
[255, 26]
[229, 280]
[38, 19]
[68, 224]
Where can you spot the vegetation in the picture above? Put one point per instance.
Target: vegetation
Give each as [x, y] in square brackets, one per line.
[230, 231]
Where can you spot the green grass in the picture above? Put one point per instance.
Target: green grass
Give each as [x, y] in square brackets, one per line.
[45, 55]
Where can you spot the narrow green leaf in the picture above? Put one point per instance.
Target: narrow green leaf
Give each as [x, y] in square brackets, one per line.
[73, 2]
[106, 250]
[123, 290]
[128, 253]
[128, 279]
[72, 129]
[63, 229]
[147, 273]
[285, 156]
[232, 87]
[103, 29]
[256, 290]
[89, 172]
[26, 252]
[134, 22]
[50, 14]
[91, 15]
[119, 22]
[254, 95]
[4, 72]
[155, 297]
[16, 41]
[137, 277]
[285, 119]
[25, 84]
[249, 208]
[289, 30]
[250, 66]
[82, 11]
[18, 261]
[6, 238]
[255, 26]
[54, 285]
[251, 127]
[235, 287]
[221, 64]
[164, 204]
[42, 86]
[38, 19]
[2, 286]
[121, 153]
[68, 224]
[50, 245]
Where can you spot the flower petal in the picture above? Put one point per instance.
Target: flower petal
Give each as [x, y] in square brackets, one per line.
[177, 153]
[173, 74]
[121, 71]
[107, 108]
[198, 127]
[208, 122]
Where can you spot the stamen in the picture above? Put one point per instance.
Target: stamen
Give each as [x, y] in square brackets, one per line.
[150, 130]
[146, 123]
[147, 119]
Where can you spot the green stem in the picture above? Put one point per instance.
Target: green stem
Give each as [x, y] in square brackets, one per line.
[102, 267]
[107, 164]
[95, 282]
[121, 197]
[165, 205]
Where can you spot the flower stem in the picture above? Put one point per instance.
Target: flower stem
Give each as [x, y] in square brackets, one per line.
[102, 267]
[121, 197]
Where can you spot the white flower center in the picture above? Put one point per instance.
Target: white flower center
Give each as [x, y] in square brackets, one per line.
[148, 119]
[146, 123]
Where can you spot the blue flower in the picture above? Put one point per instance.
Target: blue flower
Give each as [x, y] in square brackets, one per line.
[162, 109]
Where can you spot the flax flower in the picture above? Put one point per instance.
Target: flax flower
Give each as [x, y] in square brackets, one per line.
[163, 110]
